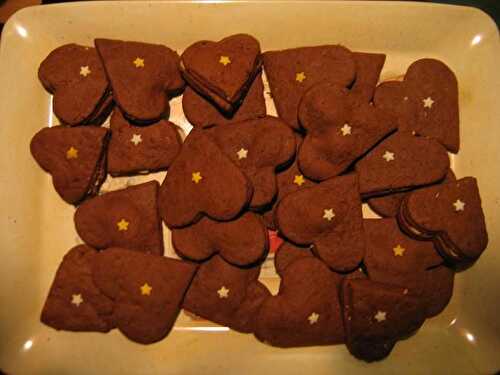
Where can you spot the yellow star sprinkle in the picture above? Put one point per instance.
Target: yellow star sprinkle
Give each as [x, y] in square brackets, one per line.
[398, 250]
[225, 60]
[299, 77]
[196, 177]
[299, 180]
[139, 63]
[122, 225]
[72, 153]
[146, 289]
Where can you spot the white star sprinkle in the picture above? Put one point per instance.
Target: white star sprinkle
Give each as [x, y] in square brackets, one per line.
[459, 205]
[380, 316]
[346, 129]
[328, 214]
[242, 153]
[388, 156]
[428, 102]
[76, 299]
[136, 139]
[223, 292]
[84, 71]
[313, 318]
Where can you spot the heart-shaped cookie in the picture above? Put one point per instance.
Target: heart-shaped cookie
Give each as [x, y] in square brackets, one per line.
[242, 241]
[226, 294]
[75, 76]
[401, 162]
[142, 77]
[259, 147]
[74, 303]
[222, 71]
[75, 157]
[146, 289]
[202, 181]
[340, 126]
[306, 310]
[138, 149]
[425, 102]
[328, 217]
[125, 218]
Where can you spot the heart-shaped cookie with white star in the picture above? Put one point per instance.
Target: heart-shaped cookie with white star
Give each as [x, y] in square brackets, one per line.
[75, 157]
[401, 162]
[141, 149]
[74, 303]
[425, 102]
[306, 310]
[75, 76]
[341, 127]
[142, 75]
[125, 218]
[259, 147]
[222, 71]
[202, 181]
[146, 290]
[226, 295]
[242, 241]
[328, 217]
[449, 214]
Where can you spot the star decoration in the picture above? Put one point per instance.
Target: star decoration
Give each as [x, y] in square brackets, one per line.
[84, 71]
[299, 180]
[428, 102]
[122, 225]
[380, 316]
[242, 153]
[328, 214]
[346, 129]
[76, 299]
[146, 289]
[459, 205]
[225, 60]
[138, 62]
[313, 318]
[196, 177]
[223, 292]
[398, 250]
[136, 139]
[388, 156]
[72, 153]
[300, 77]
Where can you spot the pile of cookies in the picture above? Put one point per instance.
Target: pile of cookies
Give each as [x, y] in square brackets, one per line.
[340, 139]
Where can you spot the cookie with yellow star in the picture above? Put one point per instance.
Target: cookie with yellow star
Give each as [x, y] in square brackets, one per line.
[141, 149]
[291, 72]
[226, 294]
[143, 76]
[125, 218]
[327, 217]
[222, 71]
[74, 303]
[451, 216]
[424, 102]
[74, 75]
[146, 291]
[75, 157]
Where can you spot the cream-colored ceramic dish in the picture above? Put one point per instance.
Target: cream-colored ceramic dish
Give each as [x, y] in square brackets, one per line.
[36, 227]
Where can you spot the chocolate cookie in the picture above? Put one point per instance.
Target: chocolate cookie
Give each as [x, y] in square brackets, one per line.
[340, 127]
[449, 214]
[327, 216]
[222, 71]
[75, 76]
[388, 205]
[425, 102]
[401, 162]
[125, 218]
[437, 290]
[142, 76]
[368, 68]
[139, 149]
[202, 113]
[202, 181]
[74, 303]
[226, 294]
[259, 147]
[146, 290]
[242, 241]
[306, 310]
[292, 72]
[75, 157]
[288, 253]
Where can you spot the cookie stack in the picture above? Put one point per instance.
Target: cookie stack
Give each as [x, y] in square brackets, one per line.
[340, 140]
